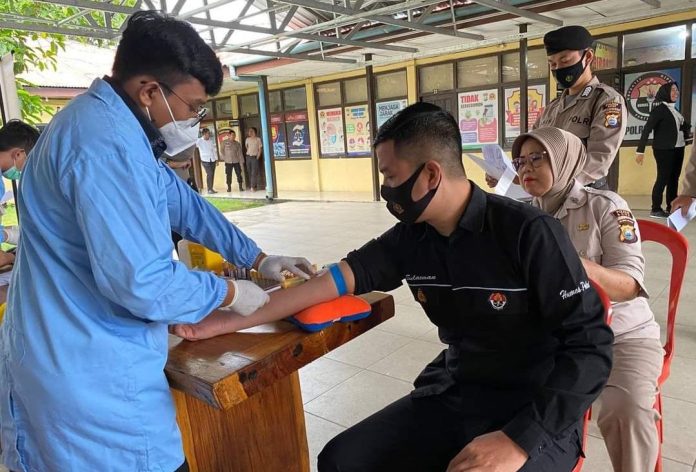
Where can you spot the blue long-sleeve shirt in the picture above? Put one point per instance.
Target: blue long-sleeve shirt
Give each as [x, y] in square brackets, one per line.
[84, 341]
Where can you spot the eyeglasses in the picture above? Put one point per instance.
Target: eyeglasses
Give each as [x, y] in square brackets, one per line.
[199, 111]
[534, 158]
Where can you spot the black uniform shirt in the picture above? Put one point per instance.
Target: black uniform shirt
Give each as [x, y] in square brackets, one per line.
[526, 333]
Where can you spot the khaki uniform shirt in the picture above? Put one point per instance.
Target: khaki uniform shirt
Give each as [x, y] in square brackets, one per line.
[253, 146]
[597, 116]
[689, 179]
[603, 230]
[231, 152]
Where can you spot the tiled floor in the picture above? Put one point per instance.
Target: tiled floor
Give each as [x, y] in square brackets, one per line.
[366, 374]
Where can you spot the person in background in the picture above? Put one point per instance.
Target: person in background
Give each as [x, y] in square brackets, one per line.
[607, 239]
[254, 156]
[84, 341]
[592, 111]
[527, 346]
[671, 132]
[233, 157]
[206, 149]
[181, 165]
[17, 139]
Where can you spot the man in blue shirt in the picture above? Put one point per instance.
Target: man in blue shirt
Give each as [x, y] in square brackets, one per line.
[84, 342]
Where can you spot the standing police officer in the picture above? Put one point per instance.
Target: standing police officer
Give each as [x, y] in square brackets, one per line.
[591, 110]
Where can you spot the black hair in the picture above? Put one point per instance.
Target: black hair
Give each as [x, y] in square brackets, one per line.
[256, 132]
[167, 48]
[664, 93]
[428, 130]
[18, 134]
[205, 130]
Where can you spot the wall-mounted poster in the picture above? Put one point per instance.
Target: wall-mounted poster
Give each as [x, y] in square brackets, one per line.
[331, 131]
[297, 128]
[386, 110]
[278, 137]
[640, 89]
[536, 103]
[478, 117]
[358, 130]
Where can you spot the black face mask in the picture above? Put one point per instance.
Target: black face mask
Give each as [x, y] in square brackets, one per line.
[567, 76]
[399, 201]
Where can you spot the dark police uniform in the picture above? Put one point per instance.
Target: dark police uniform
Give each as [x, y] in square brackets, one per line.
[528, 347]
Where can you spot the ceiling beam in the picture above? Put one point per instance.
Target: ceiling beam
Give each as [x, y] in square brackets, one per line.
[89, 5]
[332, 40]
[205, 8]
[288, 18]
[298, 57]
[373, 15]
[530, 15]
[44, 28]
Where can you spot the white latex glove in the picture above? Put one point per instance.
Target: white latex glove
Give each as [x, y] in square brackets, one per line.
[272, 266]
[248, 297]
[11, 235]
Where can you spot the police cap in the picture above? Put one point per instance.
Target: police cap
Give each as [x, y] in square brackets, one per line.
[571, 38]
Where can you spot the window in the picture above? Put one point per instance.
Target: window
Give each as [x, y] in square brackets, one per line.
[329, 94]
[289, 124]
[391, 85]
[295, 98]
[433, 79]
[475, 72]
[537, 65]
[606, 54]
[223, 109]
[275, 103]
[344, 125]
[248, 105]
[355, 90]
[667, 44]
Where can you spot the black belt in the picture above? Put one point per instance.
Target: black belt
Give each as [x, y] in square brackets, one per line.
[598, 183]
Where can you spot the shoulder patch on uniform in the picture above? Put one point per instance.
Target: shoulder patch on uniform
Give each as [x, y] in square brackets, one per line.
[627, 226]
[612, 114]
[587, 91]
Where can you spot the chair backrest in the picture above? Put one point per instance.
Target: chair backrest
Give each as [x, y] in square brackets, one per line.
[678, 247]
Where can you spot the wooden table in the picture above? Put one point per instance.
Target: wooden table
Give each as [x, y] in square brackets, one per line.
[237, 396]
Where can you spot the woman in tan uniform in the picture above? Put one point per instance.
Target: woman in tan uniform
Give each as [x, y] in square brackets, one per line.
[604, 232]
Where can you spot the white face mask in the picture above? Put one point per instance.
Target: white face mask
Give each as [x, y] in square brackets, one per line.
[178, 135]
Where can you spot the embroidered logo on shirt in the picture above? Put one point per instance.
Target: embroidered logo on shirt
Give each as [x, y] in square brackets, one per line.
[627, 226]
[497, 300]
[397, 208]
[421, 296]
[584, 285]
[612, 114]
[583, 226]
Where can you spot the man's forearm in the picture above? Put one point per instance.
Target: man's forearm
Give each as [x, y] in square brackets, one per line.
[287, 302]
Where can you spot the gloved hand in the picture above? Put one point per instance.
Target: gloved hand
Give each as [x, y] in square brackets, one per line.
[272, 266]
[248, 297]
[11, 235]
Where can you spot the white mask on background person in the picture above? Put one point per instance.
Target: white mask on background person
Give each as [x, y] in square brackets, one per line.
[178, 135]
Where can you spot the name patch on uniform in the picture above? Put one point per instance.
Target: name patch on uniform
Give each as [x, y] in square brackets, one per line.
[497, 300]
[583, 226]
[586, 93]
[612, 114]
[627, 226]
[584, 285]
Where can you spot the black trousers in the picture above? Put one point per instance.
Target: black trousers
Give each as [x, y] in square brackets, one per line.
[424, 435]
[209, 174]
[237, 168]
[669, 165]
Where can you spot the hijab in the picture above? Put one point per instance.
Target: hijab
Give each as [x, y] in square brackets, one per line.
[567, 156]
[664, 93]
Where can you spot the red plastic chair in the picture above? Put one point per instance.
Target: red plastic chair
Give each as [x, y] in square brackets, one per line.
[678, 246]
[606, 302]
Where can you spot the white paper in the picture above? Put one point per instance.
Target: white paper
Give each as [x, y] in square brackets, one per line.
[678, 221]
[499, 166]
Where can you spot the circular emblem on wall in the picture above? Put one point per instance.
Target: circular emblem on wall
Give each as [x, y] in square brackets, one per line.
[640, 93]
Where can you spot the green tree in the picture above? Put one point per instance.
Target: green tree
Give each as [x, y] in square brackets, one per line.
[39, 50]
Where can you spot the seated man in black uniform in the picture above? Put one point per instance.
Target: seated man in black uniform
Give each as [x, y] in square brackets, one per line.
[528, 347]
